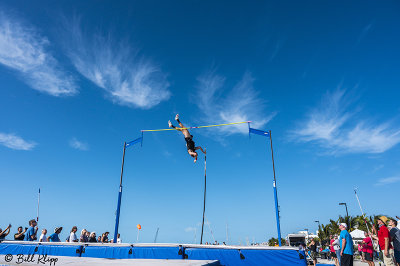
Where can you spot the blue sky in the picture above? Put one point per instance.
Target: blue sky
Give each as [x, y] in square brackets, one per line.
[80, 78]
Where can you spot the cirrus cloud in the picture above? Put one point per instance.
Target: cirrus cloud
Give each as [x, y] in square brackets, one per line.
[115, 67]
[334, 126]
[26, 51]
[240, 103]
[388, 181]
[79, 145]
[15, 142]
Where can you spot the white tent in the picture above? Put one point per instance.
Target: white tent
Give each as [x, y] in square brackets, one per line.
[357, 235]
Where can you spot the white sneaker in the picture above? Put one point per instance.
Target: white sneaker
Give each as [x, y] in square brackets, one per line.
[177, 117]
[169, 123]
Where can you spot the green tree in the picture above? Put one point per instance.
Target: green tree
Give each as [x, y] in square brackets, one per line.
[351, 222]
[274, 241]
[323, 233]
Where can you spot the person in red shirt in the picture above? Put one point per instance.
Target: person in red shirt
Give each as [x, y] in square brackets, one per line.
[368, 249]
[384, 242]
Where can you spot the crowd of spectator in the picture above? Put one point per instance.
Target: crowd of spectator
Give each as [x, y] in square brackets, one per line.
[380, 244]
[31, 234]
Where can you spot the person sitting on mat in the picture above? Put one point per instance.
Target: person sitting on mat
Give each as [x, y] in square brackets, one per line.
[191, 148]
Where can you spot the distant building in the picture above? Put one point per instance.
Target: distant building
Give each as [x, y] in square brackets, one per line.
[296, 239]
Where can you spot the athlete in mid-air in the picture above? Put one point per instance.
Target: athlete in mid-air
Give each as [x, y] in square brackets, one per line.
[191, 147]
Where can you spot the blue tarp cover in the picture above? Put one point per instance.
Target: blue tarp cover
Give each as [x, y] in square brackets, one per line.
[226, 256]
[137, 252]
[249, 256]
[54, 250]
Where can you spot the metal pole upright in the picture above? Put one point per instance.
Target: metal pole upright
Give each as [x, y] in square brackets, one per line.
[119, 197]
[278, 225]
[205, 193]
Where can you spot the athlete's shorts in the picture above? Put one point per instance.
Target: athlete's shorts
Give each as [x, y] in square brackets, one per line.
[368, 256]
[190, 144]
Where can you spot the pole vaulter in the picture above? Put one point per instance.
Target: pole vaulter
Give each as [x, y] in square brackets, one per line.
[192, 152]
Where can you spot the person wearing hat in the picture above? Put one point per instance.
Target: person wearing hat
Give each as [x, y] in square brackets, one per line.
[346, 246]
[384, 241]
[54, 237]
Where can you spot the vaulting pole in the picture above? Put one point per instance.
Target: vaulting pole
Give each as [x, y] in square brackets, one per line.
[204, 203]
[119, 197]
[362, 212]
[278, 224]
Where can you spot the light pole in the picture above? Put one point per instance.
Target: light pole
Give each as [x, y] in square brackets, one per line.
[318, 224]
[344, 203]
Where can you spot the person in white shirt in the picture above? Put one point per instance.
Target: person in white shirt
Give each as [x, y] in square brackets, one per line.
[72, 235]
[43, 237]
[118, 238]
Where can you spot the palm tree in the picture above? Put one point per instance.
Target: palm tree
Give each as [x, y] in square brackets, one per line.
[334, 227]
[324, 233]
[351, 222]
[364, 223]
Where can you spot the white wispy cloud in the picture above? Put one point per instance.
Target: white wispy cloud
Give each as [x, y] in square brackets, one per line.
[333, 126]
[238, 104]
[126, 78]
[388, 181]
[24, 50]
[189, 229]
[79, 145]
[15, 142]
[364, 32]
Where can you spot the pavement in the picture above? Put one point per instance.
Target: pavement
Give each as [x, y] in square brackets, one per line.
[355, 262]
[53, 261]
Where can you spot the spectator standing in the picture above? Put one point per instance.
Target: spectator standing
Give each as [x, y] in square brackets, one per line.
[92, 237]
[20, 235]
[384, 241]
[104, 237]
[119, 239]
[30, 234]
[43, 237]
[333, 251]
[313, 248]
[368, 249]
[336, 247]
[395, 235]
[72, 235]
[55, 237]
[83, 238]
[5, 233]
[346, 246]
